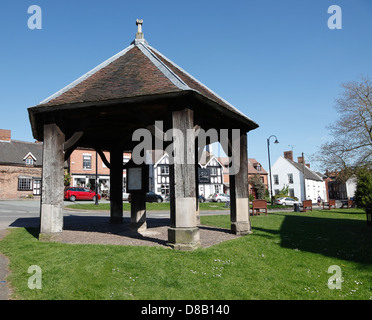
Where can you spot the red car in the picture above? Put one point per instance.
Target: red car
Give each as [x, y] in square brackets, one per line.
[79, 193]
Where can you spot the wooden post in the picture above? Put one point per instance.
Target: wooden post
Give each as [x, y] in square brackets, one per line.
[51, 209]
[138, 212]
[239, 200]
[183, 233]
[116, 185]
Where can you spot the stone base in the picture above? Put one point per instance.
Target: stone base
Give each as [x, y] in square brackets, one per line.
[187, 239]
[138, 227]
[50, 237]
[241, 228]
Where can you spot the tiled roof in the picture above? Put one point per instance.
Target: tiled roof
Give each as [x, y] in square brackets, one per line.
[251, 167]
[138, 70]
[14, 152]
[309, 174]
[130, 74]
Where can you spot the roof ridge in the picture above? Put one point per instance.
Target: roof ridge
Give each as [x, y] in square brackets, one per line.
[306, 168]
[200, 83]
[171, 76]
[88, 74]
[20, 141]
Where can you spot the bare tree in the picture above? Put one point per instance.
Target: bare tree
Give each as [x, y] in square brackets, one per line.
[351, 146]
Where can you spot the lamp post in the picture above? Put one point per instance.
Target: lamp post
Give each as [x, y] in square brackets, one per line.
[268, 152]
[96, 184]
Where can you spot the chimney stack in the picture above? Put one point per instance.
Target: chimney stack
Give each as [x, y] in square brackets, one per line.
[288, 155]
[5, 135]
[300, 160]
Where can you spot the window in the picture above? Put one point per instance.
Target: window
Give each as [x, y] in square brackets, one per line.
[276, 179]
[125, 159]
[24, 184]
[213, 171]
[87, 162]
[276, 191]
[291, 192]
[164, 189]
[290, 178]
[164, 170]
[29, 161]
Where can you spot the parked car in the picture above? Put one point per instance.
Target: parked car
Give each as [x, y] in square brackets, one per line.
[202, 199]
[150, 197]
[79, 193]
[286, 201]
[125, 196]
[221, 197]
[153, 197]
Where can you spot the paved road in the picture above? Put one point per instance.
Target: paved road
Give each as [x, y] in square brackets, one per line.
[25, 213]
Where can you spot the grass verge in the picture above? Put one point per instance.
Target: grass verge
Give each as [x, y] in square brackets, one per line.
[286, 257]
[150, 206]
[164, 206]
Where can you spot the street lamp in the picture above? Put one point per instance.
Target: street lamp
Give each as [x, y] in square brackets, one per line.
[268, 152]
[96, 184]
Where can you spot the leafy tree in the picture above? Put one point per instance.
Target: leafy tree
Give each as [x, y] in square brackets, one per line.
[67, 179]
[255, 182]
[363, 194]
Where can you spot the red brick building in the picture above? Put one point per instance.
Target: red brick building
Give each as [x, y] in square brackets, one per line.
[20, 168]
[82, 169]
[254, 169]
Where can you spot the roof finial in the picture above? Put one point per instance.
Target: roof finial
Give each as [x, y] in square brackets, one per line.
[139, 34]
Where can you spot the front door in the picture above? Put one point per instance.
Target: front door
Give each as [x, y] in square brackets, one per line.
[254, 192]
[36, 187]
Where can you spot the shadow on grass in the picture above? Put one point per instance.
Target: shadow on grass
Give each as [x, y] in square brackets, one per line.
[347, 239]
[102, 225]
[96, 224]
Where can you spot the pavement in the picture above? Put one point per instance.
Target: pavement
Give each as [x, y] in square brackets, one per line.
[5, 291]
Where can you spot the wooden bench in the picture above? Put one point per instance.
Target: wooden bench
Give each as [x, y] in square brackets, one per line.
[307, 204]
[257, 205]
[348, 204]
[329, 204]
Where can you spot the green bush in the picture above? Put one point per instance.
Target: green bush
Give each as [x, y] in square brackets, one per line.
[363, 194]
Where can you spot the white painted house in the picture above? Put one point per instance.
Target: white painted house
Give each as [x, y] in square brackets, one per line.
[285, 172]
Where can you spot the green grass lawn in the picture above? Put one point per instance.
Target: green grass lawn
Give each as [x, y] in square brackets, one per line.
[150, 206]
[153, 206]
[286, 257]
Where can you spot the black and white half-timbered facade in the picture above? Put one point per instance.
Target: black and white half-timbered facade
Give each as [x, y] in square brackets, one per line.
[210, 175]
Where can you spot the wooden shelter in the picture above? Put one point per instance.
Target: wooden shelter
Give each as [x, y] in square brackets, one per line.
[103, 108]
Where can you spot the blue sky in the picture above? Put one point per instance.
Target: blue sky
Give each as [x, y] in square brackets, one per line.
[276, 61]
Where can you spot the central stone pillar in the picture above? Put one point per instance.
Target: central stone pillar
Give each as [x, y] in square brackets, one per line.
[239, 201]
[51, 209]
[138, 212]
[116, 185]
[183, 233]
